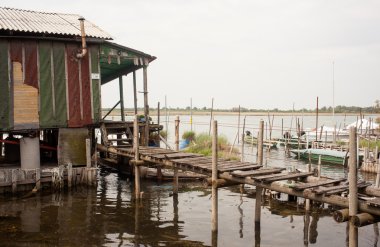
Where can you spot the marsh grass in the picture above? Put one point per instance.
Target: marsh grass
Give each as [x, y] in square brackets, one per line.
[202, 144]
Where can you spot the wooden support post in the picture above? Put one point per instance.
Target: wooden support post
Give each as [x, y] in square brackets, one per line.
[282, 127]
[319, 166]
[214, 177]
[134, 92]
[69, 175]
[259, 191]
[146, 105]
[353, 189]
[122, 113]
[38, 178]
[175, 169]
[88, 153]
[260, 144]
[137, 156]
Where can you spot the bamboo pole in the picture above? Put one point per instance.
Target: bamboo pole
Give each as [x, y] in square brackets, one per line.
[353, 189]
[260, 143]
[214, 176]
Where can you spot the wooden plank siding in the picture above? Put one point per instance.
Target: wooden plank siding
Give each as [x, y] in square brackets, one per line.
[5, 119]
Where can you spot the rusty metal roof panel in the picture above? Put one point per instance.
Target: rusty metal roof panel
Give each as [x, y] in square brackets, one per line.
[48, 23]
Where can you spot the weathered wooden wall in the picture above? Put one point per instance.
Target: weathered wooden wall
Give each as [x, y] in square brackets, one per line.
[44, 85]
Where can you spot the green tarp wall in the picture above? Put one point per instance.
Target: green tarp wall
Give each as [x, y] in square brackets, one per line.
[5, 122]
[53, 112]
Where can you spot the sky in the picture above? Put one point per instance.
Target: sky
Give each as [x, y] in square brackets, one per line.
[261, 54]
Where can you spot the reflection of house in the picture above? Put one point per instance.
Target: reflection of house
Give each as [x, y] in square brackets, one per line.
[52, 67]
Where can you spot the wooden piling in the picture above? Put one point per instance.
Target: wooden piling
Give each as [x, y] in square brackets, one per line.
[38, 178]
[316, 122]
[88, 153]
[158, 122]
[259, 191]
[146, 105]
[175, 169]
[319, 166]
[137, 156]
[69, 175]
[134, 92]
[177, 133]
[353, 189]
[211, 116]
[121, 90]
[260, 144]
[214, 177]
[242, 142]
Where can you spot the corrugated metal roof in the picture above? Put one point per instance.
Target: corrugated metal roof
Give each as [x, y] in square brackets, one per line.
[50, 23]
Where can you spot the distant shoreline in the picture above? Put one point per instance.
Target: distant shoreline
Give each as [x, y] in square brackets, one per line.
[116, 112]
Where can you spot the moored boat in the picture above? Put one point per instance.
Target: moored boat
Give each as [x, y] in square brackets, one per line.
[327, 155]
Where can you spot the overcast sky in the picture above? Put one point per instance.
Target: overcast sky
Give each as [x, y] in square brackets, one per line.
[259, 54]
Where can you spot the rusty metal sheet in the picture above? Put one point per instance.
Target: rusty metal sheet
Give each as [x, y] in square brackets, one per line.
[30, 63]
[73, 86]
[86, 90]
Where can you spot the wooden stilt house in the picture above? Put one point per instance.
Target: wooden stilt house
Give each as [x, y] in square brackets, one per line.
[52, 66]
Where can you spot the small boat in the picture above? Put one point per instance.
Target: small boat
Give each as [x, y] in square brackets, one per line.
[253, 141]
[327, 155]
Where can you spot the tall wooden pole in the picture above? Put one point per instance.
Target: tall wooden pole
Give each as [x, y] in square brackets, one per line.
[191, 114]
[146, 105]
[260, 144]
[238, 134]
[136, 147]
[175, 175]
[242, 142]
[353, 189]
[122, 113]
[134, 92]
[158, 122]
[211, 116]
[214, 177]
[316, 123]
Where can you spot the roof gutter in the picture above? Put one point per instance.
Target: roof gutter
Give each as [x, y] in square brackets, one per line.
[83, 34]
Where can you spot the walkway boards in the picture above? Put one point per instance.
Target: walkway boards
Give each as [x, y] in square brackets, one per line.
[294, 183]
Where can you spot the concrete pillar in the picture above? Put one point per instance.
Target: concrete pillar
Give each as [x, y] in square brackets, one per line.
[30, 153]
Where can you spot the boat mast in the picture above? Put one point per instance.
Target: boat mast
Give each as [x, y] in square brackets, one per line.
[333, 82]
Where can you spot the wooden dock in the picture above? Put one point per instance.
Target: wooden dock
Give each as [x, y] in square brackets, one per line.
[301, 184]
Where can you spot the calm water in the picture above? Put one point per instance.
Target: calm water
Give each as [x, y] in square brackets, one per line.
[109, 216]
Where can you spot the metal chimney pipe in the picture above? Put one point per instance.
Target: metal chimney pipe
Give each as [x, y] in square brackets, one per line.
[83, 34]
